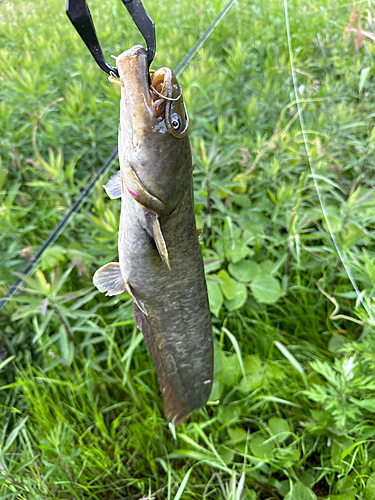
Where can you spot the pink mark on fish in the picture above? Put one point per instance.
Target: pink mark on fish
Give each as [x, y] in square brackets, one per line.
[207, 381]
[131, 192]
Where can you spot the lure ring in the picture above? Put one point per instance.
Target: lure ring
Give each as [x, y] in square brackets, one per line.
[165, 97]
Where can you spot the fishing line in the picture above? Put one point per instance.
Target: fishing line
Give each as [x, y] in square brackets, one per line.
[74, 209]
[313, 173]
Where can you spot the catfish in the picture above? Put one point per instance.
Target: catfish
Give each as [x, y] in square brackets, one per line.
[160, 258]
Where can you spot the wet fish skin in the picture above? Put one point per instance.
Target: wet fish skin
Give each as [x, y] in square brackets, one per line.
[160, 161]
[160, 259]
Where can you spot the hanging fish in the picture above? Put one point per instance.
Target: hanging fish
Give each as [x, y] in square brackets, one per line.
[160, 259]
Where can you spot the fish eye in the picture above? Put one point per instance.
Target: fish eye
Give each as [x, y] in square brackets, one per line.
[176, 121]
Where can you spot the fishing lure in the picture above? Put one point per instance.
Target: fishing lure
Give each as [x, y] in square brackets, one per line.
[160, 259]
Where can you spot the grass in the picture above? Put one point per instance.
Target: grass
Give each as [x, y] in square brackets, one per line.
[291, 415]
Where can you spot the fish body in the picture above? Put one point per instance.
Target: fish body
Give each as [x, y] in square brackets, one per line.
[160, 259]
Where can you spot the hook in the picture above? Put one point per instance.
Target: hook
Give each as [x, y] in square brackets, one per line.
[80, 16]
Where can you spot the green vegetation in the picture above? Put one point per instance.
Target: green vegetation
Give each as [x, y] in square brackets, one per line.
[291, 415]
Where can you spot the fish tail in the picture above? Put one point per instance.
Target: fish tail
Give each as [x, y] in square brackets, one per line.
[172, 406]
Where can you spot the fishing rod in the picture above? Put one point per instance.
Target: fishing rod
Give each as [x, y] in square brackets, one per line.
[59, 228]
[80, 16]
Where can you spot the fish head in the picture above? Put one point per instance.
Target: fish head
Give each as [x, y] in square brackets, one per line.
[153, 139]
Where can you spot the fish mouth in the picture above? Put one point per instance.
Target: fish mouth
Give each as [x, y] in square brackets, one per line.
[145, 103]
[135, 93]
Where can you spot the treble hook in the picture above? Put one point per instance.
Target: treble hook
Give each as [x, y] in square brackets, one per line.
[80, 16]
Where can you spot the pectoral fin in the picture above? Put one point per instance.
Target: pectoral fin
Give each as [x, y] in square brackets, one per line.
[109, 279]
[172, 406]
[154, 229]
[113, 186]
[141, 194]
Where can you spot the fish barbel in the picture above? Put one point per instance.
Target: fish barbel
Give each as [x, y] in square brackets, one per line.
[160, 259]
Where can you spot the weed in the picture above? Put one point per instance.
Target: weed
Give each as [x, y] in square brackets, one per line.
[291, 414]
